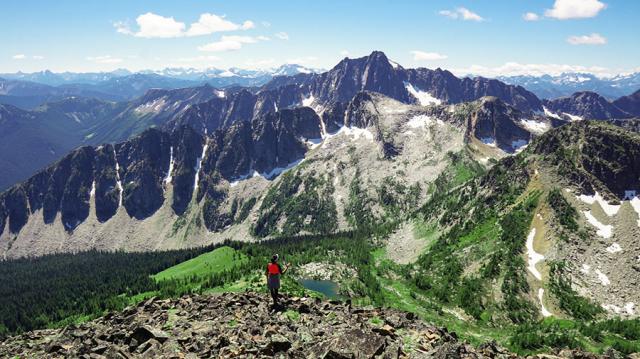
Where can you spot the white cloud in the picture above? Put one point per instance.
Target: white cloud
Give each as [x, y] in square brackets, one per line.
[19, 57]
[344, 53]
[575, 9]
[427, 56]
[106, 59]
[37, 57]
[282, 35]
[151, 25]
[461, 13]
[517, 69]
[210, 23]
[530, 16]
[266, 24]
[593, 39]
[230, 43]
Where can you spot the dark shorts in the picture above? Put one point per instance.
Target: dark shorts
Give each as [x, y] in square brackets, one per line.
[273, 282]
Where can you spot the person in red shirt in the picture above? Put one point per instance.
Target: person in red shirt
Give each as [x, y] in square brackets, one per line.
[274, 271]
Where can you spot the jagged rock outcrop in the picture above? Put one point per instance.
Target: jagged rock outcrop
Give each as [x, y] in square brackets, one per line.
[588, 105]
[244, 325]
[443, 85]
[136, 174]
[493, 122]
[595, 156]
[350, 76]
[237, 106]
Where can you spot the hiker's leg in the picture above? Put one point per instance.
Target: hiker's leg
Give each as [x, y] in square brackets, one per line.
[272, 291]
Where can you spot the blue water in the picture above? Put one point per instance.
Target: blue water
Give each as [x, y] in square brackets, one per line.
[326, 287]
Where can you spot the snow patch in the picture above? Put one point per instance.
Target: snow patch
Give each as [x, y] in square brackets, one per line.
[423, 97]
[266, 175]
[614, 248]
[551, 114]
[308, 100]
[534, 257]
[543, 310]
[154, 106]
[311, 142]
[353, 131]
[573, 117]
[199, 166]
[227, 73]
[93, 189]
[535, 126]
[419, 121]
[519, 145]
[278, 170]
[489, 141]
[220, 93]
[118, 181]
[358, 132]
[609, 209]
[168, 178]
[635, 203]
[602, 278]
[603, 230]
[394, 64]
[586, 269]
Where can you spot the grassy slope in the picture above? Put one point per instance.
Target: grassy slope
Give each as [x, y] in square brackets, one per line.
[216, 261]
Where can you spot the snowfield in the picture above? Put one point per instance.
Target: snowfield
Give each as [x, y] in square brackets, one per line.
[614, 248]
[603, 230]
[423, 97]
[534, 257]
[199, 166]
[419, 121]
[604, 280]
[609, 209]
[535, 126]
[635, 203]
[489, 141]
[308, 101]
[168, 178]
[551, 114]
[118, 181]
[266, 175]
[543, 310]
[573, 117]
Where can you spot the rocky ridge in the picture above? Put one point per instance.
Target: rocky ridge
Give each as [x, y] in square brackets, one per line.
[245, 326]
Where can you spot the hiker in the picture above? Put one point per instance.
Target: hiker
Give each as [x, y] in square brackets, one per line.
[273, 277]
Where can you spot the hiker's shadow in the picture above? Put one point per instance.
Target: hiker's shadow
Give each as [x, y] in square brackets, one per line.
[279, 307]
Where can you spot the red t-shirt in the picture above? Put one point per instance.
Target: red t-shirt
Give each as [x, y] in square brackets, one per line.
[273, 268]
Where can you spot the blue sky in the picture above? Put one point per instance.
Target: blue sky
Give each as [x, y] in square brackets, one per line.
[486, 37]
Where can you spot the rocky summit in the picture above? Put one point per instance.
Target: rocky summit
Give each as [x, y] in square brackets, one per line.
[245, 325]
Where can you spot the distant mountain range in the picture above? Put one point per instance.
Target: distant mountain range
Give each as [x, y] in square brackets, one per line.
[550, 87]
[28, 90]
[124, 105]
